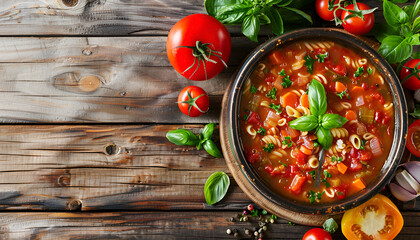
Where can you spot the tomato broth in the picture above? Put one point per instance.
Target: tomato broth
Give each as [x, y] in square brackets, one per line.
[277, 93]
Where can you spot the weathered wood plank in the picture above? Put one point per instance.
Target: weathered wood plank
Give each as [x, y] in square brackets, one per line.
[153, 225]
[95, 80]
[101, 17]
[104, 167]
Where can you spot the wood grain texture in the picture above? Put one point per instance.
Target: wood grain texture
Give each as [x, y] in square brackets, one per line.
[105, 168]
[42, 80]
[154, 225]
[106, 17]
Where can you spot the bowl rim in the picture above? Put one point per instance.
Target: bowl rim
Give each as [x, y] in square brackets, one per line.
[400, 108]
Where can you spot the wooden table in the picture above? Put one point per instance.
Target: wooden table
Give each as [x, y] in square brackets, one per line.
[87, 96]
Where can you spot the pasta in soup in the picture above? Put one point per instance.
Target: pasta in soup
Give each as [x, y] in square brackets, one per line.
[312, 96]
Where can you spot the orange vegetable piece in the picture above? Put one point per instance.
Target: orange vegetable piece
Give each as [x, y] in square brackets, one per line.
[342, 168]
[357, 91]
[305, 150]
[340, 87]
[289, 99]
[304, 100]
[358, 184]
[351, 115]
[297, 183]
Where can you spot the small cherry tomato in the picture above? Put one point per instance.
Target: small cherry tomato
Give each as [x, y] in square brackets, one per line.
[317, 234]
[323, 9]
[193, 101]
[413, 138]
[198, 47]
[410, 74]
[357, 25]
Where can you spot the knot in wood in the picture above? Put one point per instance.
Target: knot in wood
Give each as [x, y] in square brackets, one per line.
[70, 3]
[112, 149]
[89, 83]
[87, 52]
[74, 205]
[63, 180]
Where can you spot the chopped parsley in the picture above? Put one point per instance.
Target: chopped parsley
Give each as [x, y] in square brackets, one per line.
[369, 71]
[312, 173]
[291, 224]
[362, 144]
[245, 117]
[321, 57]
[284, 164]
[334, 159]
[262, 131]
[269, 148]
[339, 193]
[264, 212]
[316, 144]
[254, 89]
[416, 113]
[275, 107]
[342, 94]
[359, 72]
[309, 63]
[265, 70]
[286, 82]
[282, 73]
[254, 212]
[288, 141]
[326, 175]
[314, 196]
[272, 93]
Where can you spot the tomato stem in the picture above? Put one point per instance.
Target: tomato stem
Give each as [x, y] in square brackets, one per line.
[414, 72]
[354, 13]
[192, 102]
[202, 53]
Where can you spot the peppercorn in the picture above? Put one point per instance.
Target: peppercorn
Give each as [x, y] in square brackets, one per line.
[272, 220]
[250, 207]
[264, 228]
[247, 232]
[231, 219]
[236, 234]
[228, 231]
[255, 233]
[245, 219]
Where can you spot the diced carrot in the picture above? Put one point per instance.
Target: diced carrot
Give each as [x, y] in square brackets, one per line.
[289, 99]
[304, 100]
[351, 115]
[305, 150]
[357, 90]
[340, 87]
[342, 168]
[358, 184]
[297, 183]
[277, 83]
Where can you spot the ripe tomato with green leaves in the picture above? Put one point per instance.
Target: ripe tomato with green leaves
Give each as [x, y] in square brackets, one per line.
[198, 47]
[410, 74]
[358, 18]
[193, 101]
[326, 8]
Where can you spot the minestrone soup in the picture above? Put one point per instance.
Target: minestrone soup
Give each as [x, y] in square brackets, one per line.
[313, 95]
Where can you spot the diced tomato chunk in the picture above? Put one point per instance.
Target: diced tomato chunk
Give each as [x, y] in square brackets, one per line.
[292, 132]
[340, 191]
[269, 77]
[378, 117]
[365, 86]
[268, 168]
[365, 155]
[254, 119]
[386, 119]
[293, 170]
[355, 164]
[299, 156]
[253, 157]
[297, 183]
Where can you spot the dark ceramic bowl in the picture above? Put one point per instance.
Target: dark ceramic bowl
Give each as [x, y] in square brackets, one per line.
[235, 143]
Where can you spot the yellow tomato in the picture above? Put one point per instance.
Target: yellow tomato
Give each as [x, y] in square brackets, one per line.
[377, 218]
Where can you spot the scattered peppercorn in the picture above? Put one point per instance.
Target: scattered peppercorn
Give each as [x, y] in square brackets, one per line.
[264, 228]
[255, 233]
[245, 219]
[228, 231]
[250, 207]
[236, 234]
[247, 232]
[271, 220]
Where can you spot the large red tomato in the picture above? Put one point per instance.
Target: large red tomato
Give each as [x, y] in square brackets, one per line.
[193, 101]
[317, 234]
[357, 25]
[322, 8]
[413, 138]
[198, 47]
[411, 71]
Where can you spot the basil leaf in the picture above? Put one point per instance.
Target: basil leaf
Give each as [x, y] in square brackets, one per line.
[416, 113]
[300, 13]
[251, 27]
[409, 10]
[182, 137]
[213, 6]
[276, 23]
[317, 98]
[330, 225]
[330, 121]
[304, 123]
[395, 49]
[216, 187]
[233, 14]
[414, 40]
[325, 137]
[383, 30]
[279, 2]
[207, 131]
[416, 9]
[399, 1]
[212, 148]
[394, 15]
[416, 25]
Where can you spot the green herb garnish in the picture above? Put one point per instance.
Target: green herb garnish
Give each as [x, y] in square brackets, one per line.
[314, 196]
[330, 225]
[254, 89]
[268, 148]
[216, 187]
[284, 164]
[286, 82]
[309, 63]
[316, 144]
[359, 72]
[312, 173]
[262, 131]
[321, 57]
[416, 113]
[287, 141]
[342, 94]
[326, 175]
[276, 107]
[319, 120]
[264, 212]
[282, 73]
[334, 159]
[369, 70]
[362, 144]
[272, 93]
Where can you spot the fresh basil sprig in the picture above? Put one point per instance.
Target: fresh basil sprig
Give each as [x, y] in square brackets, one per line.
[254, 13]
[319, 120]
[185, 137]
[400, 32]
[216, 187]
